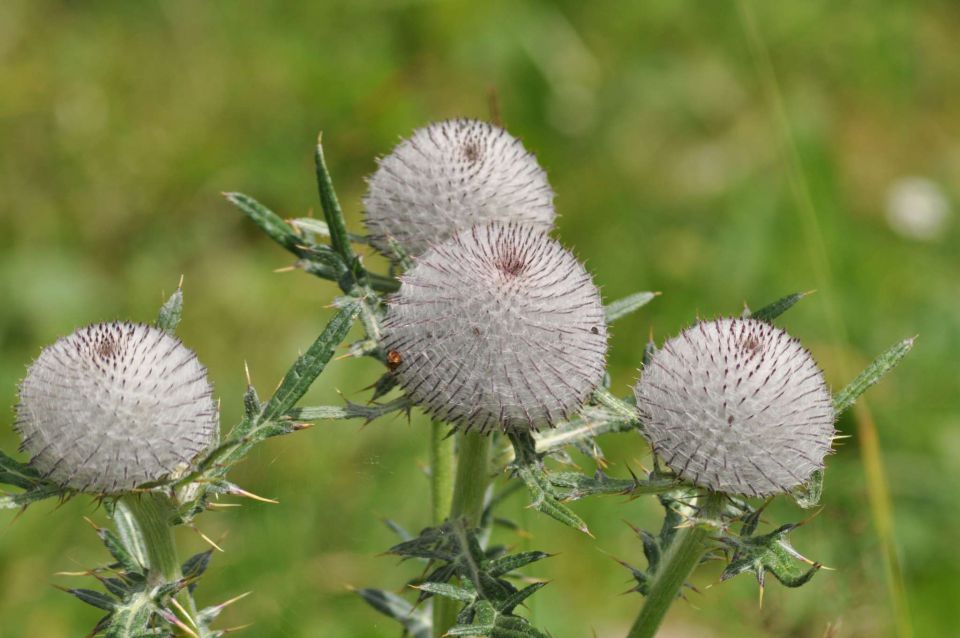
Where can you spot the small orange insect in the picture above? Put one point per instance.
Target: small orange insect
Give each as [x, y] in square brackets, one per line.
[393, 360]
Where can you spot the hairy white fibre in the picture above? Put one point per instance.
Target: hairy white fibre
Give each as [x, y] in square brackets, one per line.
[448, 177]
[738, 406]
[498, 326]
[113, 406]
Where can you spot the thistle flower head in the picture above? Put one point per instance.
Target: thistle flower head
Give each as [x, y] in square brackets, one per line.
[738, 406]
[450, 176]
[113, 406]
[498, 326]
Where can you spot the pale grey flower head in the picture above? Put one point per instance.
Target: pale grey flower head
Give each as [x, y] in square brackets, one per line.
[497, 327]
[738, 406]
[448, 177]
[113, 406]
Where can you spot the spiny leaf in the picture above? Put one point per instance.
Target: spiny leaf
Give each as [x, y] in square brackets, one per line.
[506, 564]
[309, 366]
[448, 591]
[873, 373]
[622, 307]
[269, 222]
[331, 208]
[529, 467]
[772, 311]
[94, 598]
[13, 472]
[171, 311]
[348, 411]
[416, 622]
[487, 621]
[115, 546]
[132, 619]
[771, 553]
[194, 566]
[508, 604]
[38, 493]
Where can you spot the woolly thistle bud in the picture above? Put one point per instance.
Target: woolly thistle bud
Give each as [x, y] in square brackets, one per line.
[113, 406]
[497, 326]
[738, 406]
[450, 176]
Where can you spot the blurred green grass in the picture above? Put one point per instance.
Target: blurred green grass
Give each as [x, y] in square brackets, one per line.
[121, 123]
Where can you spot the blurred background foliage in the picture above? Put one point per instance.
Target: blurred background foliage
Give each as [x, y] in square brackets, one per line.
[121, 123]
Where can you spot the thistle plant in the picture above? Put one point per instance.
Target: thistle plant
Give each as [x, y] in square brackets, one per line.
[496, 332]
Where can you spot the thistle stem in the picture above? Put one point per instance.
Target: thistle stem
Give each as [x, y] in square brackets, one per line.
[143, 521]
[441, 470]
[676, 565]
[468, 494]
[472, 478]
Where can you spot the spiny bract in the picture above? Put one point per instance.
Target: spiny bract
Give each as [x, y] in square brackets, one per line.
[738, 406]
[113, 406]
[499, 326]
[448, 177]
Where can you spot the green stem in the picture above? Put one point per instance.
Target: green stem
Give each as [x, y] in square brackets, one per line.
[676, 565]
[468, 494]
[472, 478]
[441, 470]
[143, 521]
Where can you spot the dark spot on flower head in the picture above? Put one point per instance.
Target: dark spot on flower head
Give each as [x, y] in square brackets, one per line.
[106, 346]
[471, 151]
[510, 263]
[751, 344]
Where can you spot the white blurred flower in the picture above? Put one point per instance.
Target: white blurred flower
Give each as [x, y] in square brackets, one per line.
[917, 208]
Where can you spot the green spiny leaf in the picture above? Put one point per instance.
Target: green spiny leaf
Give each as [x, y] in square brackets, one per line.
[14, 472]
[772, 311]
[309, 366]
[545, 498]
[115, 546]
[873, 373]
[622, 307]
[507, 605]
[331, 208]
[503, 565]
[132, 619]
[269, 222]
[448, 591]
[94, 598]
[171, 311]
[416, 622]
[770, 553]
